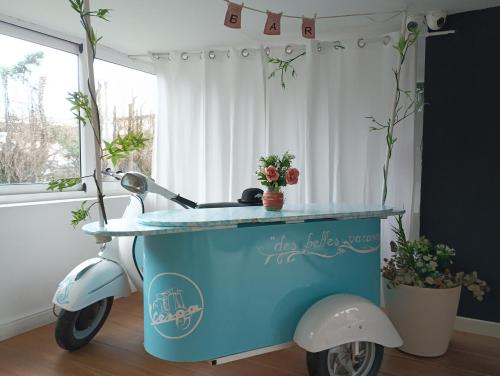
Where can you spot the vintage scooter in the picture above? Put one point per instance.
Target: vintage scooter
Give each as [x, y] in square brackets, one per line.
[85, 296]
[343, 334]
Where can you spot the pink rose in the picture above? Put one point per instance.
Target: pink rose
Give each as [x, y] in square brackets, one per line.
[292, 176]
[271, 173]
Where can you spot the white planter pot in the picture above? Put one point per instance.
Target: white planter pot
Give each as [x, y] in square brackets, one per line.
[423, 317]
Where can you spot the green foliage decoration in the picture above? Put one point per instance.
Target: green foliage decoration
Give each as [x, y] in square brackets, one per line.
[82, 106]
[122, 146]
[81, 214]
[422, 264]
[282, 66]
[63, 183]
[399, 111]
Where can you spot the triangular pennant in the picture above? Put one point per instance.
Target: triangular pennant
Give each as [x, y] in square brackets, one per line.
[273, 24]
[308, 27]
[233, 15]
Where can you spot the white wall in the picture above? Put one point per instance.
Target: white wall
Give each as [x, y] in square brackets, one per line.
[38, 247]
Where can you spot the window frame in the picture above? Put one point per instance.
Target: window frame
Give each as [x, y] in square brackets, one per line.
[18, 193]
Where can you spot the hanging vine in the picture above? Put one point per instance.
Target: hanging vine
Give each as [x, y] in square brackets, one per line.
[86, 111]
[399, 111]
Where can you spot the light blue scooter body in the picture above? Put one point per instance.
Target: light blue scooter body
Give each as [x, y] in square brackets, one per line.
[211, 294]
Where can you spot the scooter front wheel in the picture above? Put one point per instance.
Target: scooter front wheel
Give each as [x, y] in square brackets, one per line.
[75, 329]
[347, 360]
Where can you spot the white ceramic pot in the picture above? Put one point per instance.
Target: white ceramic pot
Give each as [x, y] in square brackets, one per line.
[423, 317]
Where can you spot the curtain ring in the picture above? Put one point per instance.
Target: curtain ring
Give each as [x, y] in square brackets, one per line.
[288, 49]
[318, 47]
[211, 54]
[184, 56]
[244, 52]
[267, 50]
[338, 45]
[387, 39]
[361, 43]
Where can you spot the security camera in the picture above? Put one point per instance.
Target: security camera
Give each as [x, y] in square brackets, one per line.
[414, 22]
[436, 19]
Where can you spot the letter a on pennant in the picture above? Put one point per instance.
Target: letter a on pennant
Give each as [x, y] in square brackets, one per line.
[308, 28]
[233, 15]
[273, 24]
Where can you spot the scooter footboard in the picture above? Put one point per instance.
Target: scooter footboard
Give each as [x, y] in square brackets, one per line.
[210, 294]
[89, 282]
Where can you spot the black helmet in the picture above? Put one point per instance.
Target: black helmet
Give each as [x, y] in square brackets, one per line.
[251, 196]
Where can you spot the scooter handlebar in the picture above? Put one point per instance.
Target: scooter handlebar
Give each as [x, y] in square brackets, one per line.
[185, 202]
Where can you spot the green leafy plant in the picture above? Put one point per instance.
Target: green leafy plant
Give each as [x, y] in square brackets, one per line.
[399, 111]
[63, 183]
[81, 214]
[119, 148]
[85, 109]
[282, 67]
[422, 264]
[275, 172]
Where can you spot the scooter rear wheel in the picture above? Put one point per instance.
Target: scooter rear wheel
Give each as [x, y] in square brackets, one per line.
[339, 360]
[75, 329]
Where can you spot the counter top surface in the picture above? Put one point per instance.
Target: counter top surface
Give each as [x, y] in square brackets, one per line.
[176, 221]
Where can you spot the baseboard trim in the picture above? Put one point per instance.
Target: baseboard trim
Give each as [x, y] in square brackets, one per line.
[485, 328]
[26, 323]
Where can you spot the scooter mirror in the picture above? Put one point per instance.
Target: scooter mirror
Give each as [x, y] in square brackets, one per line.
[135, 182]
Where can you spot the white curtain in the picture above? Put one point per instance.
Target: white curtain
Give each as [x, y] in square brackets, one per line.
[211, 124]
[217, 116]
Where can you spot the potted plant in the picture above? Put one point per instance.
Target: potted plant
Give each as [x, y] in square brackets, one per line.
[275, 172]
[422, 292]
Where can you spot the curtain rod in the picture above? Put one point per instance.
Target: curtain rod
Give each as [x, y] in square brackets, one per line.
[287, 48]
[361, 42]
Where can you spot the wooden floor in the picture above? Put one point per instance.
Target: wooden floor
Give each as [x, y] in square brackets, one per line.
[118, 350]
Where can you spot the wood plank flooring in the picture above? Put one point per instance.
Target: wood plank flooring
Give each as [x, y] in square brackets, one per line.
[118, 350]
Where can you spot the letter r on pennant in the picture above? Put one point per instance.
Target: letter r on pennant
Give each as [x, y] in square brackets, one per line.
[233, 15]
[308, 28]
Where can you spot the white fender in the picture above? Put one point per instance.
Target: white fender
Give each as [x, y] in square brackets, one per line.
[91, 281]
[343, 318]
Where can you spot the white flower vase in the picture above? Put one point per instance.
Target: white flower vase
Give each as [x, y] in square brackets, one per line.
[423, 317]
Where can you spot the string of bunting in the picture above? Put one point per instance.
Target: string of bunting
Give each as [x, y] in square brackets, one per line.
[273, 21]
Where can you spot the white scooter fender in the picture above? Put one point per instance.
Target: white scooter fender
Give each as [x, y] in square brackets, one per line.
[343, 318]
[91, 281]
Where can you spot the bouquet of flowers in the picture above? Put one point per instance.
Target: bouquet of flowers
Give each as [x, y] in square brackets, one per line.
[275, 172]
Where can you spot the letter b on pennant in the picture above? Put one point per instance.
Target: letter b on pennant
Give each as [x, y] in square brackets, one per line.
[273, 24]
[233, 15]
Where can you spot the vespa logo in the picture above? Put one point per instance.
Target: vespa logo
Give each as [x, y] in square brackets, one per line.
[175, 305]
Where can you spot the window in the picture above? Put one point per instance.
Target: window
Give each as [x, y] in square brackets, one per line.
[127, 102]
[39, 137]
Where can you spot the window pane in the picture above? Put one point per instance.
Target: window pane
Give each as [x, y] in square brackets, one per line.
[39, 137]
[127, 102]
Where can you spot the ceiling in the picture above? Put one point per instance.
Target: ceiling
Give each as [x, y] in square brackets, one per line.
[139, 26]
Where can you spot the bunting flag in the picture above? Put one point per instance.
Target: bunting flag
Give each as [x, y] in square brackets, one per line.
[273, 21]
[308, 27]
[273, 24]
[233, 15]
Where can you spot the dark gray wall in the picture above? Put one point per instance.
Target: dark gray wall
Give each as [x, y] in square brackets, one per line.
[461, 150]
